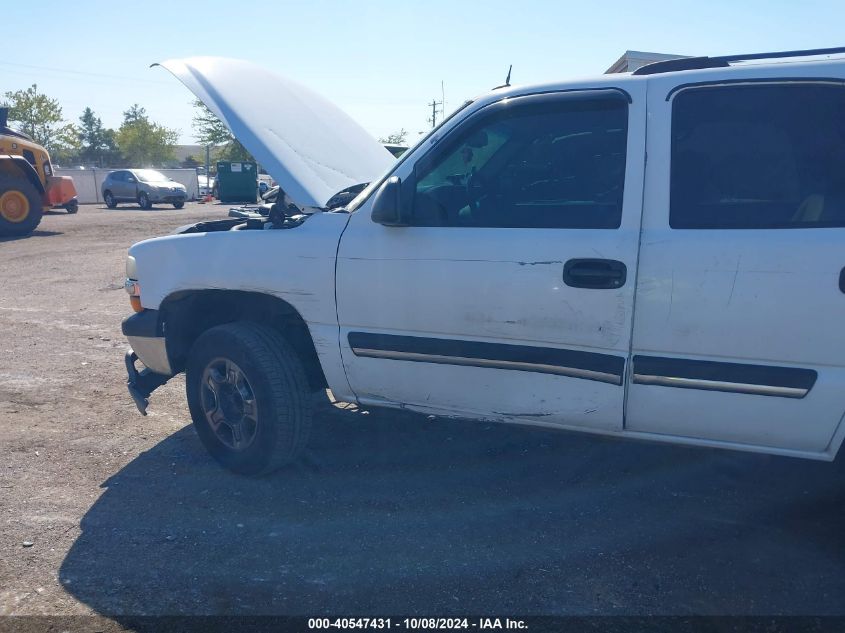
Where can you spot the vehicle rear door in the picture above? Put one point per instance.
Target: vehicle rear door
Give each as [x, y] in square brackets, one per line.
[510, 294]
[741, 294]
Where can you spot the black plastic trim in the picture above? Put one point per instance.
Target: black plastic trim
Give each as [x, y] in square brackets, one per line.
[595, 274]
[564, 91]
[716, 83]
[678, 64]
[141, 383]
[145, 324]
[722, 61]
[550, 97]
[548, 360]
[806, 52]
[737, 374]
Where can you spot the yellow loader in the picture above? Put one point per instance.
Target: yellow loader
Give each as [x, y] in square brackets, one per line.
[27, 184]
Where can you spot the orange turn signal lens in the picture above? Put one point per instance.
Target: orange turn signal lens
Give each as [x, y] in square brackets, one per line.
[131, 286]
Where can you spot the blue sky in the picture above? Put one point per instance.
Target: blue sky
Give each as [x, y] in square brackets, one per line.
[380, 61]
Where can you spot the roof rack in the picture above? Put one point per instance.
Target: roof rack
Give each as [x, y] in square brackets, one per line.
[695, 63]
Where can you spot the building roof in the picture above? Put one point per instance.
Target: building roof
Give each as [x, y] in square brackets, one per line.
[181, 152]
[631, 60]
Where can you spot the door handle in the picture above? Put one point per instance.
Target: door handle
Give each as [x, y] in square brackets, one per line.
[842, 280]
[597, 274]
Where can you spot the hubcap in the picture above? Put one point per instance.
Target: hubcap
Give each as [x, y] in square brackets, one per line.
[228, 403]
[14, 206]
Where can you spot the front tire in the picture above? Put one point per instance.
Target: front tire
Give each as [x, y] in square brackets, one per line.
[144, 201]
[178, 205]
[72, 207]
[249, 398]
[20, 206]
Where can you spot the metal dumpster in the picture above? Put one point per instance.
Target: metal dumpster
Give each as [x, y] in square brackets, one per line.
[237, 181]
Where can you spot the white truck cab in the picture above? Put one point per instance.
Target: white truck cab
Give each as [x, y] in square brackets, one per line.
[658, 255]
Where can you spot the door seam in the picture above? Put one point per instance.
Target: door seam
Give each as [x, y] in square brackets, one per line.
[629, 365]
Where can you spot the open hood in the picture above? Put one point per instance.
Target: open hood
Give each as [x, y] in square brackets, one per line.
[311, 147]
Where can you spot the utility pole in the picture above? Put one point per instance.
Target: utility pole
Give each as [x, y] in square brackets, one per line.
[32, 110]
[434, 103]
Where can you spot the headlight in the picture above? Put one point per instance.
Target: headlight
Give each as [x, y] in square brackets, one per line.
[131, 268]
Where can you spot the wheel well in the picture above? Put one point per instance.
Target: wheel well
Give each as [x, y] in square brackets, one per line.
[186, 315]
[19, 166]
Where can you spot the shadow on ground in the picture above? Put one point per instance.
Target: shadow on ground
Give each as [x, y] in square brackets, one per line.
[36, 233]
[395, 513]
[128, 206]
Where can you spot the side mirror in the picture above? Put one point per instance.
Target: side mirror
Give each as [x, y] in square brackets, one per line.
[387, 204]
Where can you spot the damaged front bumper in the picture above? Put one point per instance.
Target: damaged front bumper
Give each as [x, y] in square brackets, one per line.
[145, 334]
[141, 383]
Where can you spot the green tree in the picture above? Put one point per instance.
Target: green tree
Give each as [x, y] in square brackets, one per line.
[210, 130]
[66, 148]
[135, 114]
[40, 117]
[97, 144]
[397, 138]
[144, 143]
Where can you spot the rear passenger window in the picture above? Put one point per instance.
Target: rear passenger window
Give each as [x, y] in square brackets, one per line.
[759, 156]
[558, 164]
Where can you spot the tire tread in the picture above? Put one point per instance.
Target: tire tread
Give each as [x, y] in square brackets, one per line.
[290, 393]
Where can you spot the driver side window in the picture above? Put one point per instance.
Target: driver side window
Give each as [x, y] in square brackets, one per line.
[547, 165]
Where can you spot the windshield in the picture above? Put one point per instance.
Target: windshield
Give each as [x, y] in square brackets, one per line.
[151, 175]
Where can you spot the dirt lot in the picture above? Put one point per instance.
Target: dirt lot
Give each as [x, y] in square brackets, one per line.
[388, 512]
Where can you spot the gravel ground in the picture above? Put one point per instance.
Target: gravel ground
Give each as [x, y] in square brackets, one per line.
[106, 512]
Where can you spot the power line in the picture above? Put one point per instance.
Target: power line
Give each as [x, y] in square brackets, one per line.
[86, 73]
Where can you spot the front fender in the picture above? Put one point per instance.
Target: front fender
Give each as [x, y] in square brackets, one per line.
[296, 265]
